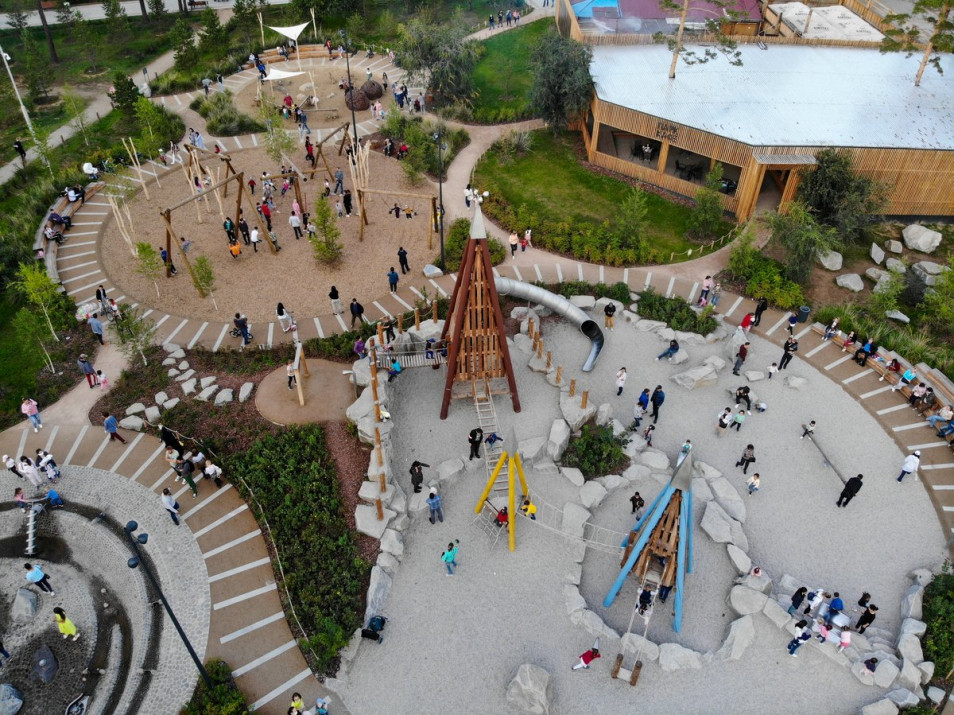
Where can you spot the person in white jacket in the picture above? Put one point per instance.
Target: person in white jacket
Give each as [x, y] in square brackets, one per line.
[910, 464]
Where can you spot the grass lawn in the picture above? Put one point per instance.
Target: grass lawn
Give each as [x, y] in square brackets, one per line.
[502, 77]
[553, 183]
[42, 122]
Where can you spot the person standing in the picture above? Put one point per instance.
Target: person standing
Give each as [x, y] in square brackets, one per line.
[32, 412]
[184, 468]
[737, 420]
[402, 260]
[434, 505]
[449, 557]
[111, 427]
[803, 634]
[393, 280]
[213, 472]
[753, 483]
[760, 306]
[725, 419]
[295, 223]
[706, 288]
[609, 311]
[910, 464]
[417, 475]
[792, 322]
[346, 200]
[797, 599]
[11, 464]
[167, 261]
[336, 307]
[514, 242]
[809, 430]
[101, 299]
[171, 505]
[747, 321]
[657, 399]
[21, 150]
[867, 618]
[475, 439]
[35, 575]
[96, 327]
[357, 311]
[30, 472]
[339, 181]
[241, 323]
[836, 606]
[67, 629]
[638, 503]
[740, 357]
[284, 318]
[620, 381]
[587, 658]
[788, 352]
[850, 490]
[748, 456]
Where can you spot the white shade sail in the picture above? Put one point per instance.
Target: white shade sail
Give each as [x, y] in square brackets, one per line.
[292, 32]
[281, 74]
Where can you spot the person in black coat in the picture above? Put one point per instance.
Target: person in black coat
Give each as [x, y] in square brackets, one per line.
[852, 487]
[417, 475]
[476, 438]
[760, 308]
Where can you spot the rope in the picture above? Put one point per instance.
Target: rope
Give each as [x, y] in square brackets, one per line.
[182, 437]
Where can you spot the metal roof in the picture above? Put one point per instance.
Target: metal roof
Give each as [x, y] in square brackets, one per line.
[784, 159]
[786, 95]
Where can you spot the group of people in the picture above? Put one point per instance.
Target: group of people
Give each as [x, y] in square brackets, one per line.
[523, 242]
[827, 620]
[511, 17]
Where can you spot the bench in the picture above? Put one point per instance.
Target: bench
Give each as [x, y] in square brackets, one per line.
[198, 3]
[64, 207]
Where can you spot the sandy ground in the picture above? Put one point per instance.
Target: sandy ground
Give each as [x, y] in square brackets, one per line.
[467, 635]
[255, 282]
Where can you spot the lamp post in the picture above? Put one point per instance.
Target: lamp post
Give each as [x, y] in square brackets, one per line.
[354, 120]
[441, 147]
[16, 91]
[134, 562]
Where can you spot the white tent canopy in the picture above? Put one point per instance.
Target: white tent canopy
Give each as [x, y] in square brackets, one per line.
[292, 32]
[281, 74]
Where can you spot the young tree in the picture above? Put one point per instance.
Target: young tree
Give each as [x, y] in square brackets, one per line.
[325, 243]
[183, 45]
[204, 278]
[803, 239]
[125, 95]
[439, 56]
[86, 39]
[212, 35]
[75, 111]
[36, 71]
[40, 291]
[724, 44]
[562, 86]
[840, 197]
[150, 119]
[278, 143]
[630, 231]
[157, 9]
[135, 332]
[29, 329]
[904, 34]
[244, 19]
[706, 220]
[17, 17]
[149, 263]
[116, 20]
[65, 15]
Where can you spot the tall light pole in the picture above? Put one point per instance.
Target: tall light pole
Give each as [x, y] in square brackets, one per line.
[354, 120]
[16, 91]
[134, 562]
[438, 140]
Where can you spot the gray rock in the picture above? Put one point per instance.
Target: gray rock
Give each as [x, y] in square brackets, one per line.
[922, 577]
[168, 362]
[135, 409]
[612, 481]
[393, 542]
[654, 459]
[593, 624]
[912, 626]
[695, 377]
[585, 302]
[187, 375]
[715, 522]
[881, 707]
[793, 382]
[188, 387]
[909, 647]
[361, 407]
[224, 397]
[745, 600]
[851, 281]
[911, 603]
[932, 268]
[178, 353]
[573, 411]
[919, 238]
[910, 677]
[935, 695]
[883, 656]
[754, 375]
[574, 601]
[831, 260]
[701, 490]
[558, 440]
[741, 635]
[206, 381]
[574, 518]
[152, 414]
[574, 574]
[927, 671]
[897, 315]
[133, 423]
[714, 362]
[172, 372]
[184, 365]
[895, 266]
[680, 357]
[601, 304]
[532, 449]
[246, 391]
[877, 253]
[728, 498]
[738, 534]
[519, 313]
[525, 324]
[24, 606]
[706, 471]
[877, 274]
[574, 475]
[169, 404]
[207, 393]
[635, 472]
[666, 334]
[645, 326]
[366, 521]
[635, 644]
[775, 613]
[539, 364]
[885, 674]
[927, 272]
[161, 398]
[894, 246]
[388, 562]
[903, 698]
[685, 338]
[592, 494]
[432, 271]
[617, 427]
[757, 583]
[674, 657]
[604, 413]
[11, 700]
[378, 590]
[530, 690]
[883, 286]
[739, 559]
[348, 653]
[859, 670]
[450, 469]
[630, 317]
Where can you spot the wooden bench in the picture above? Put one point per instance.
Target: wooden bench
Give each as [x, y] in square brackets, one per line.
[64, 207]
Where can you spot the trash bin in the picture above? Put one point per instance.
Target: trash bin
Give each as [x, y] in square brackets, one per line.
[803, 314]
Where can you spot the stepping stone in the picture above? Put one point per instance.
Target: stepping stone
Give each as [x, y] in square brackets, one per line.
[161, 398]
[185, 376]
[223, 397]
[207, 393]
[206, 381]
[246, 391]
[188, 387]
[135, 409]
[178, 354]
[171, 347]
[168, 361]
[152, 414]
[132, 423]
[169, 404]
[184, 365]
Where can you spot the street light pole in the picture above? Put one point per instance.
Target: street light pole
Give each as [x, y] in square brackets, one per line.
[354, 120]
[440, 192]
[16, 91]
[135, 561]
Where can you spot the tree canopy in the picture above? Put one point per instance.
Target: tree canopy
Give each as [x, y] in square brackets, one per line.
[803, 238]
[903, 34]
[441, 56]
[562, 84]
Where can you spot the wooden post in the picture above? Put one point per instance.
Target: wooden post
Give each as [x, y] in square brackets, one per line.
[559, 375]
[380, 507]
[383, 483]
[361, 214]
[417, 318]
[380, 334]
[401, 323]
[539, 348]
[530, 327]
[549, 358]
[434, 308]
[585, 399]
[377, 447]
[572, 387]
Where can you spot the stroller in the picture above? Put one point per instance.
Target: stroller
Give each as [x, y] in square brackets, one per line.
[375, 626]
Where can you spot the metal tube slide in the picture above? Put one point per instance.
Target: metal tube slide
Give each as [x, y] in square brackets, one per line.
[562, 307]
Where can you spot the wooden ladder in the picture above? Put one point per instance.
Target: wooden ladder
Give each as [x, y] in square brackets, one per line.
[487, 419]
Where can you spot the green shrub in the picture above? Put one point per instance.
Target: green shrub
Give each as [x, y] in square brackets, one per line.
[938, 640]
[418, 134]
[223, 699]
[676, 312]
[456, 239]
[596, 452]
[762, 276]
[223, 117]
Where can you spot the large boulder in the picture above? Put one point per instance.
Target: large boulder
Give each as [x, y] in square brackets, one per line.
[831, 260]
[674, 657]
[776, 614]
[745, 600]
[635, 472]
[133, 423]
[885, 674]
[558, 440]
[706, 471]
[393, 543]
[741, 635]
[24, 606]
[919, 238]
[654, 459]
[592, 494]
[728, 498]
[913, 626]
[903, 698]
[909, 647]
[450, 469]
[11, 700]
[366, 521]
[897, 315]
[635, 644]
[851, 281]
[529, 691]
[715, 362]
[584, 302]
[910, 676]
[715, 522]
[927, 671]
[911, 602]
[574, 518]
[881, 707]
[695, 377]
[135, 408]
[701, 491]
[573, 411]
[574, 475]
[876, 253]
[739, 559]
[645, 326]
[574, 601]
[378, 591]
[680, 357]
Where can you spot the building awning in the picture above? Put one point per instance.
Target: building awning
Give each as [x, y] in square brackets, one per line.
[785, 159]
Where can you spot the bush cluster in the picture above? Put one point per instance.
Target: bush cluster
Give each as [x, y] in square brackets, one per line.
[596, 452]
[759, 275]
[938, 640]
[676, 313]
[456, 239]
[223, 117]
[418, 134]
[223, 699]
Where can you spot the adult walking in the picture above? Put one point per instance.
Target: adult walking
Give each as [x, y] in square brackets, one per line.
[760, 307]
[910, 464]
[740, 357]
[29, 408]
[620, 381]
[97, 327]
[748, 456]
[336, 307]
[434, 505]
[339, 181]
[788, 352]
[357, 310]
[417, 475]
[707, 284]
[850, 490]
[66, 626]
[514, 242]
[111, 427]
[35, 575]
[393, 280]
[402, 260]
[171, 505]
[587, 658]
[475, 438]
[86, 367]
[867, 618]
[657, 399]
[638, 503]
[284, 317]
[609, 312]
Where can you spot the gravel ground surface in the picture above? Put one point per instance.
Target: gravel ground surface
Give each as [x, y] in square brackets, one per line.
[255, 282]
[468, 634]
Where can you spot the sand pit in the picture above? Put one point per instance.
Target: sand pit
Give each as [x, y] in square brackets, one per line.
[468, 634]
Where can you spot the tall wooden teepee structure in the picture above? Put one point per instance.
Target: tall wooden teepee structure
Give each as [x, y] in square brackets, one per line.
[475, 326]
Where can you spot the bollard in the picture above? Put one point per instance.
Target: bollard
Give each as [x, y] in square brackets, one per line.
[572, 387]
[401, 323]
[383, 483]
[559, 375]
[380, 334]
[530, 327]
[539, 348]
[586, 396]
[417, 318]
[549, 358]
[434, 308]
[380, 508]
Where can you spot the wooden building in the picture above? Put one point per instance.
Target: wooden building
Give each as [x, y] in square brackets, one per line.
[764, 122]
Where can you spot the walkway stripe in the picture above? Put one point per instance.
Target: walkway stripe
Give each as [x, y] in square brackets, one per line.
[579, 271]
[866, 395]
[416, 292]
[380, 307]
[602, 277]
[839, 361]
[948, 465]
[78, 265]
[178, 101]
[692, 292]
[99, 451]
[926, 445]
[802, 333]
[239, 569]
[146, 314]
[175, 332]
[86, 287]
[162, 320]
[234, 542]
[437, 287]
[251, 628]
[69, 257]
[518, 274]
[341, 322]
[672, 282]
[818, 348]
[283, 688]
[90, 202]
[76, 444]
[779, 324]
[221, 145]
[74, 245]
[536, 269]
[145, 465]
[225, 329]
[403, 302]
[195, 338]
[238, 143]
[49, 441]
[904, 428]
[942, 488]
[649, 279]
[84, 233]
[254, 140]
[271, 334]
[220, 521]
[886, 410]
[205, 501]
[736, 304]
[81, 277]
[856, 376]
[87, 223]
[261, 660]
[321, 333]
[244, 597]
[559, 271]
[130, 448]
[626, 276]
[23, 439]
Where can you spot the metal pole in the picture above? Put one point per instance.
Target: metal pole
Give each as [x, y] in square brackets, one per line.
[172, 616]
[354, 120]
[440, 193]
[16, 91]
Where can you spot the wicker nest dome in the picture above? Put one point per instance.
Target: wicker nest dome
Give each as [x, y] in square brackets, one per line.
[372, 89]
[357, 100]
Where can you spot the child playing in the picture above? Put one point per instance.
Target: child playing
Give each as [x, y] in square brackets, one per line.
[823, 630]
[753, 483]
[638, 413]
[339, 209]
[686, 446]
[493, 438]
[648, 435]
[290, 371]
[845, 638]
[773, 368]
[103, 382]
